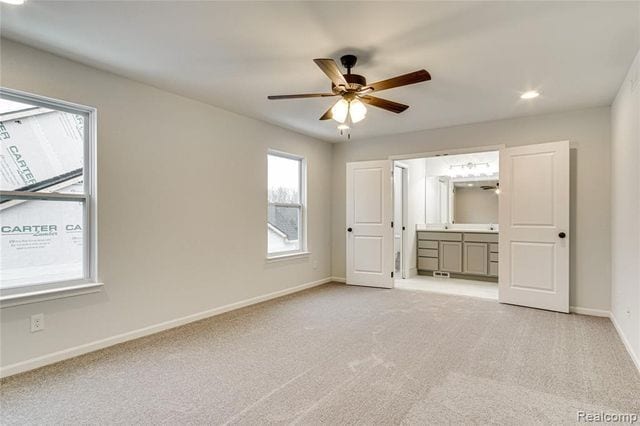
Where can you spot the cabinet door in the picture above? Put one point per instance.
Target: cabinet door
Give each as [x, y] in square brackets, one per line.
[450, 256]
[475, 258]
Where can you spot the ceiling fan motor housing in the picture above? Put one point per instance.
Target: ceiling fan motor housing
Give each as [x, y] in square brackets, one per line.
[355, 81]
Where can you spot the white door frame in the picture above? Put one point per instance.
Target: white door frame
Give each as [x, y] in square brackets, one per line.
[455, 151]
[404, 266]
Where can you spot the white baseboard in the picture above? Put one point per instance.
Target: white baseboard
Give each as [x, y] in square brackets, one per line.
[339, 279]
[589, 311]
[625, 341]
[43, 360]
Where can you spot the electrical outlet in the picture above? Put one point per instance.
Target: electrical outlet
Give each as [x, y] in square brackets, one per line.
[37, 322]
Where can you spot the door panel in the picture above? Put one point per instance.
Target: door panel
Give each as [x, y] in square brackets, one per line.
[475, 258]
[532, 266]
[369, 215]
[534, 213]
[368, 252]
[532, 189]
[367, 193]
[450, 256]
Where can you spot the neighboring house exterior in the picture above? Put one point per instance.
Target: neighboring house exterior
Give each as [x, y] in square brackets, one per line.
[282, 229]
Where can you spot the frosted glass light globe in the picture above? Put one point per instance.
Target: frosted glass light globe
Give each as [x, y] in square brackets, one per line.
[357, 111]
[340, 110]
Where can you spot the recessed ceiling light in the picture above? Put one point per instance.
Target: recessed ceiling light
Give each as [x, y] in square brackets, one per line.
[16, 2]
[530, 94]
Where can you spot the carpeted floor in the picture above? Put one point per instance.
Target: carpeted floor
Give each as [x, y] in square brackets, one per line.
[339, 354]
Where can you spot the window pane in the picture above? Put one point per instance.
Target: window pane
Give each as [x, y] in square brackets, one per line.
[42, 149]
[283, 179]
[41, 241]
[283, 230]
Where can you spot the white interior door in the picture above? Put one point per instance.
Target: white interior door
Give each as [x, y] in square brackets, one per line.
[369, 216]
[534, 226]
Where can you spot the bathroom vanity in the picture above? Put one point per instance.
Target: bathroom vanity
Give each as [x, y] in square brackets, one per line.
[458, 253]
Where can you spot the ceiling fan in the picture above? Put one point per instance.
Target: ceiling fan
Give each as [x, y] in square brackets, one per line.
[355, 92]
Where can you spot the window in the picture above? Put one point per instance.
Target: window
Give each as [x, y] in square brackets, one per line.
[286, 211]
[46, 195]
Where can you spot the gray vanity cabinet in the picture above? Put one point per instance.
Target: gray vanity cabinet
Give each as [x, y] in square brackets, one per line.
[450, 256]
[472, 253]
[475, 258]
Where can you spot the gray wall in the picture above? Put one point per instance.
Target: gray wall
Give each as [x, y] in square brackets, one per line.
[589, 133]
[625, 209]
[175, 237]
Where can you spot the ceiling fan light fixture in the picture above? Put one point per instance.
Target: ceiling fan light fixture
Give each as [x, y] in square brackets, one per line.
[340, 110]
[357, 111]
[530, 94]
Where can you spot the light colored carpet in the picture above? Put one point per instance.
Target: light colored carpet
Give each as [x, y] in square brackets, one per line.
[338, 354]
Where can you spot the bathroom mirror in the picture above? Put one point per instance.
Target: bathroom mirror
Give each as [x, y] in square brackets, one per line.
[475, 202]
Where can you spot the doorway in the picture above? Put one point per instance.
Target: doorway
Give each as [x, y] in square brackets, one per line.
[526, 250]
[446, 223]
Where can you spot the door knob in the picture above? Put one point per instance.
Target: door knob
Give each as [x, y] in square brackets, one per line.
[349, 229]
[562, 235]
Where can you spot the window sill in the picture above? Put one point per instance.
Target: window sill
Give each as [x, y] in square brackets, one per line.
[281, 257]
[49, 294]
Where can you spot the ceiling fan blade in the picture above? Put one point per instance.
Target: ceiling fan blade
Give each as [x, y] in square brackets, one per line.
[330, 68]
[401, 80]
[327, 115]
[300, 96]
[384, 104]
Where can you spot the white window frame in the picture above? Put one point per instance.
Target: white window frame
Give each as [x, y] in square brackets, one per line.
[303, 250]
[89, 282]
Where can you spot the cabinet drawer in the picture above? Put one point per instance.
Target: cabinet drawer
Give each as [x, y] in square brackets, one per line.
[442, 236]
[427, 253]
[481, 238]
[493, 269]
[427, 244]
[428, 263]
[493, 257]
[493, 248]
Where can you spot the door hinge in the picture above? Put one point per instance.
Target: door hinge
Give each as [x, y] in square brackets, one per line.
[392, 275]
[392, 224]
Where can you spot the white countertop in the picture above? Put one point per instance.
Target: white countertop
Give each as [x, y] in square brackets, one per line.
[467, 230]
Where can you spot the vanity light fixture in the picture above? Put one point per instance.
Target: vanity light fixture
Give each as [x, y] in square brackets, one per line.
[530, 94]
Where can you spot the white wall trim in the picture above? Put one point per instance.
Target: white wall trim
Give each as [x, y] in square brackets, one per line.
[75, 351]
[607, 314]
[339, 279]
[589, 311]
[634, 357]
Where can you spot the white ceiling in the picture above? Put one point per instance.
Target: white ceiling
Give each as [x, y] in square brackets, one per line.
[481, 55]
